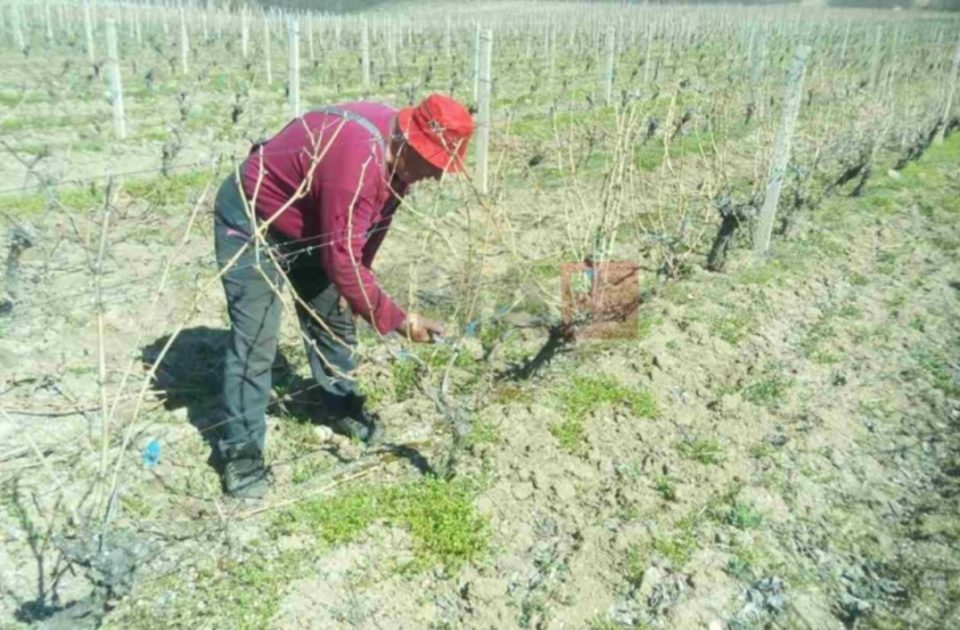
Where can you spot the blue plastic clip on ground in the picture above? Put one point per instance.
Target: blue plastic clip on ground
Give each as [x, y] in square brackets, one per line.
[471, 330]
[151, 454]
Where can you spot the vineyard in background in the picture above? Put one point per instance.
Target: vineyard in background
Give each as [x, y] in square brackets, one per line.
[677, 138]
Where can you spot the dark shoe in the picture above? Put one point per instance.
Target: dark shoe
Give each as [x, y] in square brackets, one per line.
[360, 426]
[245, 478]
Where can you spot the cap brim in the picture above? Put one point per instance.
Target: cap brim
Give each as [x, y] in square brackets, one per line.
[425, 147]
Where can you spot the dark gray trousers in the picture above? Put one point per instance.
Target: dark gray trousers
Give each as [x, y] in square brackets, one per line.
[254, 308]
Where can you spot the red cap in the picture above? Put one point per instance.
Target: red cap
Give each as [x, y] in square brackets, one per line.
[438, 129]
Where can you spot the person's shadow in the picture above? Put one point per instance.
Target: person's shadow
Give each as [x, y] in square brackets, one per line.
[190, 375]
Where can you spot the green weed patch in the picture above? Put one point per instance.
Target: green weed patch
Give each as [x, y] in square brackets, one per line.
[586, 394]
[440, 516]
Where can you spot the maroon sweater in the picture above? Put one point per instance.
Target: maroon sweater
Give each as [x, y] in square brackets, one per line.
[346, 204]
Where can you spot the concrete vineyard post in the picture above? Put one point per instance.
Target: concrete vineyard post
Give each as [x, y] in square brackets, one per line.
[88, 27]
[392, 44]
[647, 57]
[874, 77]
[669, 40]
[48, 22]
[310, 49]
[15, 24]
[61, 20]
[748, 52]
[611, 44]
[545, 55]
[951, 90]
[206, 33]
[483, 110]
[137, 29]
[781, 150]
[294, 67]
[244, 33]
[446, 39]
[843, 44]
[365, 54]
[266, 49]
[184, 44]
[756, 73]
[939, 44]
[116, 85]
[476, 63]
[551, 53]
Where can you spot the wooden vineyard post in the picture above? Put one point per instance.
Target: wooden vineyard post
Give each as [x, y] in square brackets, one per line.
[137, 29]
[483, 111]
[951, 90]
[365, 54]
[266, 49]
[88, 27]
[611, 44]
[293, 67]
[116, 85]
[184, 44]
[781, 150]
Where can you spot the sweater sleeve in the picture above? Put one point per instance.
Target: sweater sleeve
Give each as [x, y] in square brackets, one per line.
[349, 216]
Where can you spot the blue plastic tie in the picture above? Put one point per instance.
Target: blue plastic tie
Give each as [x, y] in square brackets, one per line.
[471, 330]
[151, 454]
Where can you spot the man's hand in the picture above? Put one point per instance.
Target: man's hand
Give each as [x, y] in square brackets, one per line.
[420, 329]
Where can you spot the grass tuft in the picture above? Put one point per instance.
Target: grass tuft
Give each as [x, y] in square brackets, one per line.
[734, 328]
[705, 450]
[666, 487]
[768, 391]
[586, 394]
